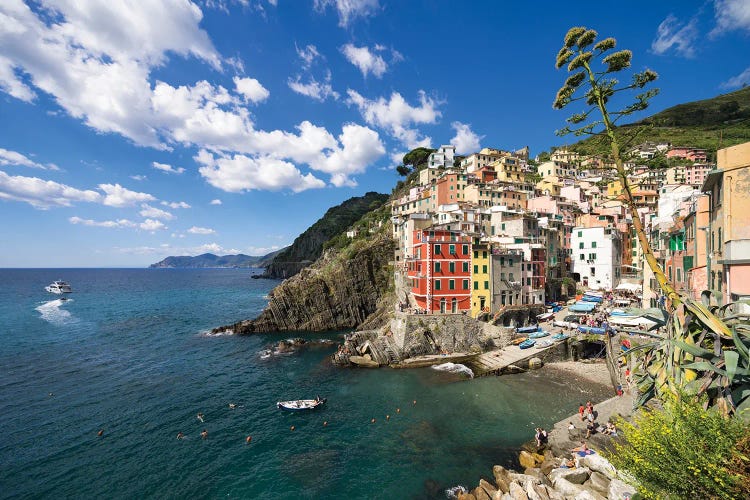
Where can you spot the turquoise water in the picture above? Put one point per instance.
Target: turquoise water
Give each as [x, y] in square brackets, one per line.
[128, 354]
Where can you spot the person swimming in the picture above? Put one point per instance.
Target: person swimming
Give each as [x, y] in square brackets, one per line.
[232, 406]
[199, 416]
[180, 435]
[204, 434]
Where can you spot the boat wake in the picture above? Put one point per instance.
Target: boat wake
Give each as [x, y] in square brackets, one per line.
[52, 312]
[454, 368]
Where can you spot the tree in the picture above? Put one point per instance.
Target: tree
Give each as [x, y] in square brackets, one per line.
[668, 366]
[417, 157]
[403, 170]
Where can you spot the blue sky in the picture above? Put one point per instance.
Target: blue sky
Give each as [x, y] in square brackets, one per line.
[130, 131]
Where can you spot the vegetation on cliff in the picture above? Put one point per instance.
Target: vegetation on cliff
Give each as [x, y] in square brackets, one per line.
[308, 246]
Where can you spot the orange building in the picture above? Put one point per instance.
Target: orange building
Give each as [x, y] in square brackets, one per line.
[440, 270]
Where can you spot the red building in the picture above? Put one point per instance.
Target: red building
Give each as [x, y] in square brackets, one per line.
[440, 271]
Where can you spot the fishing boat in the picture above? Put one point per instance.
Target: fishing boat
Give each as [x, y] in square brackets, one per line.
[591, 329]
[527, 329]
[545, 316]
[300, 404]
[544, 343]
[538, 335]
[519, 340]
[560, 336]
[526, 344]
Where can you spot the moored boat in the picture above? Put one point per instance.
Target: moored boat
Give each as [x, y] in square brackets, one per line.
[538, 335]
[300, 404]
[526, 344]
[527, 329]
[560, 336]
[519, 340]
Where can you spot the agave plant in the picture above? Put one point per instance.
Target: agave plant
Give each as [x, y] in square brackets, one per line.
[693, 359]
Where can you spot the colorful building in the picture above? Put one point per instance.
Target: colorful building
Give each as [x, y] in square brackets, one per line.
[481, 289]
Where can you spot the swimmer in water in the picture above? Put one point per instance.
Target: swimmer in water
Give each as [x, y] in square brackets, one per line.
[204, 434]
[199, 416]
[232, 406]
[180, 435]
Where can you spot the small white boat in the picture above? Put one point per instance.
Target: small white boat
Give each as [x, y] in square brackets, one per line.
[58, 287]
[300, 404]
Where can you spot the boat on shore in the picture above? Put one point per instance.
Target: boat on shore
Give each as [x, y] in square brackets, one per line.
[59, 287]
[560, 336]
[527, 344]
[300, 404]
[519, 340]
[539, 334]
[527, 329]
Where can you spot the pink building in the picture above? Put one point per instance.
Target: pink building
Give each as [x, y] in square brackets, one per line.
[688, 153]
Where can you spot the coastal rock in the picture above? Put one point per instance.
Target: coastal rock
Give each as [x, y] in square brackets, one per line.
[589, 495]
[502, 477]
[363, 362]
[600, 464]
[466, 496]
[537, 473]
[575, 476]
[517, 493]
[527, 460]
[534, 491]
[487, 487]
[480, 494]
[566, 488]
[535, 363]
[502, 485]
[599, 482]
[522, 478]
[548, 465]
[619, 490]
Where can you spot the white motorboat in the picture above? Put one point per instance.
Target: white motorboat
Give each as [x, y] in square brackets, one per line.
[58, 287]
[300, 404]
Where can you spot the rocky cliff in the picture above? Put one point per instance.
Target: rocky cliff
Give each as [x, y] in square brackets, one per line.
[340, 290]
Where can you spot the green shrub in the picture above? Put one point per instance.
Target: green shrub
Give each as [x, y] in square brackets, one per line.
[685, 451]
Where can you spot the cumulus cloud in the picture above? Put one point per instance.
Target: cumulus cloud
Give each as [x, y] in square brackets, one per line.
[731, 15]
[8, 157]
[215, 202]
[396, 115]
[672, 34]
[349, 10]
[41, 193]
[320, 91]
[167, 168]
[738, 80]
[118, 196]
[250, 89]
[201, 230]
[365, 60]
[308, 55]
[175, 204]
[147, 225]
[154, 213]
[465, 140]
[240, 173]
[360, 146]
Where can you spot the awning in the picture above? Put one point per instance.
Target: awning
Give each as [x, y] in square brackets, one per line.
[630, 287]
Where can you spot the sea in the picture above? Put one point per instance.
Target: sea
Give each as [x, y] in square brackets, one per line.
[129, 356]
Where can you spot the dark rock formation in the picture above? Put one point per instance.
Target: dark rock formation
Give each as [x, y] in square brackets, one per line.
[340, 291]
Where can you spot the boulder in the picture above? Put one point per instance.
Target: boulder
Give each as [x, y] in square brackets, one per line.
[575, 476]
[537, 473]
[548, 455]
[480, 494]
[548, 465]
[502, 478]
[363, 362]
[466, 496]
[587, 494]
[538, 457]
[535, 491]
[599, 482]
[619, 490]
[535, 363]
[502, 485]
[517, 493]
[499, 495]
[600, 464]
[527, 460]
[487, 487]
[566, 488]
[522, 478]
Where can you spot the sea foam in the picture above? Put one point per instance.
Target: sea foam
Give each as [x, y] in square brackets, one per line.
[454, 368]
[51, 311]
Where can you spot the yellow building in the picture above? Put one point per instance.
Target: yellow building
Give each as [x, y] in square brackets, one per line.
[550, 185]
[481, 291]
[509, 169]
[614, 189]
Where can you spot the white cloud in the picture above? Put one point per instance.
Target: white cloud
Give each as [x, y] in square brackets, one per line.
[118, 196]
[147, 225]
[308, 55]
[8, 157]
[201, 230]
[175, 204]
[154, 213]
[313, 88]
[673, 34]
[731, 15]
[259, 251]
[250, 89]
[349, 9]
[360, 147]
[215, 202]
[466, 141]
[396, 115]
[167, 168]
[738, 81]
[364, 59]
[41, 193]
[138, 177]
[240, 173]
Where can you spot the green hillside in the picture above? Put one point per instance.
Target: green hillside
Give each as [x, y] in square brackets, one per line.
[715, 123]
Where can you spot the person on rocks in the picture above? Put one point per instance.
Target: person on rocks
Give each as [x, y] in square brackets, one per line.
[581, 412]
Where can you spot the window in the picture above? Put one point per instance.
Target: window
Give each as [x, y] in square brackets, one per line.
[593, 244]
[502, 276]
[452, 249]
[592, 256]
[437, 284]
[437, 267]
[486, 285]
[466, 285]
[593, 271]
[437, 249]
[476, 269]
[528, 267]
[484, 269]
[580, 234]
[583, 257]
[528, 281]
[452, 267]
[451, 284]
[502, 226]
[510, 262]
[465, 249]
[719, 239]
[502, 261]
[679, 274]
[466, 267]
[580, 246]
[484, 254]
[510, 277]
[476, 254]
[476, 285]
